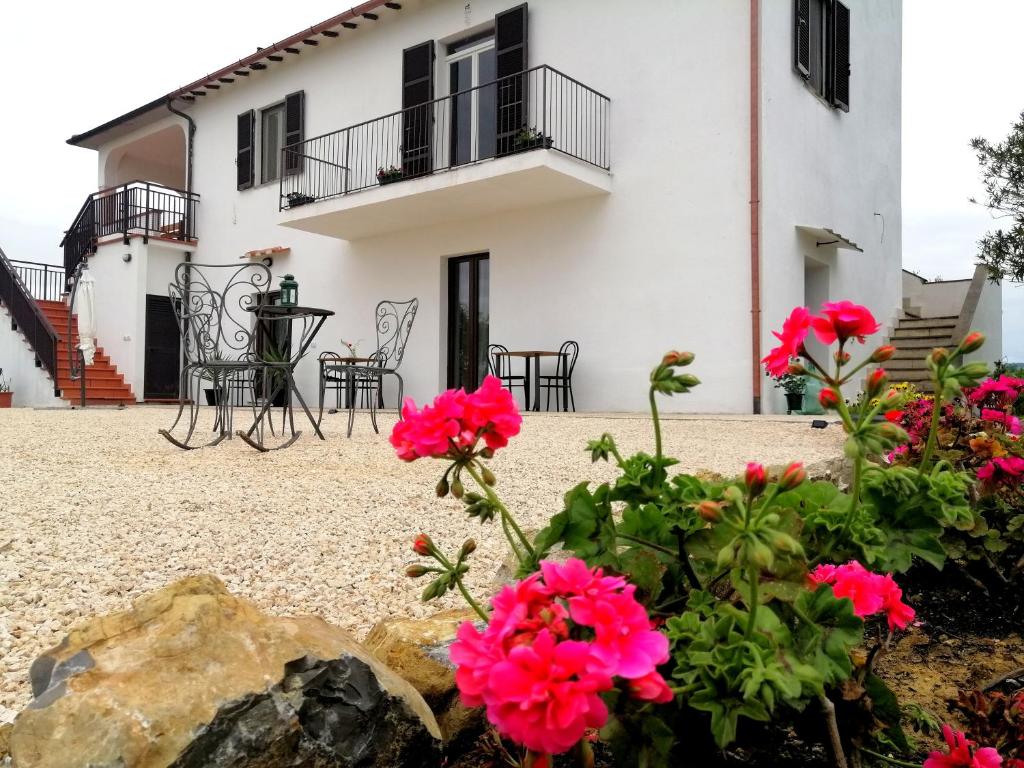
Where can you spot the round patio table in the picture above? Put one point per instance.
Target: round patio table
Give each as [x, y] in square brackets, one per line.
[310, 320]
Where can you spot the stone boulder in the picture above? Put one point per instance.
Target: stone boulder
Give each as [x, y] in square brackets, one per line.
[417, 649]
[193, 676]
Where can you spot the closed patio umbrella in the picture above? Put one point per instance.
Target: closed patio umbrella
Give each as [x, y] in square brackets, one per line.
[86, 307]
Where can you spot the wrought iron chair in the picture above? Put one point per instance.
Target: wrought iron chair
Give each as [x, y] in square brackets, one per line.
[561, 379]
[394, 321]
[211, 303]
[499, 364]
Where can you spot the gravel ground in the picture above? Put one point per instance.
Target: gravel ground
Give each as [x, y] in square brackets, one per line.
[96, 508]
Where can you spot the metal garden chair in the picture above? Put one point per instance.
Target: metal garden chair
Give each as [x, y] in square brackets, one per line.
[561, 380]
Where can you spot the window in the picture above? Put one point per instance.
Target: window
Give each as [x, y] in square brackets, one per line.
[821, 49]
[271, 136]
[474, 111]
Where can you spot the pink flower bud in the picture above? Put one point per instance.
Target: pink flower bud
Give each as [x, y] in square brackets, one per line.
[795, 369]
[677, 358]
[841, 357]
[828, 398]
[415, 571]
[877, 380]
[972, 342]
[883, 353]
[711, 511]
[755, 478]
[422, 545]
[792, 476]
[939, 355]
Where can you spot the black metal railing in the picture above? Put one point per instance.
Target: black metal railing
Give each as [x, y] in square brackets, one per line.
[44, 282]
[138, 207]
[540, 108]
[27, 317]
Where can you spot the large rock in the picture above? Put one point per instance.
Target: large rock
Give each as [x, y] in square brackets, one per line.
[417, 649]
[193, 676]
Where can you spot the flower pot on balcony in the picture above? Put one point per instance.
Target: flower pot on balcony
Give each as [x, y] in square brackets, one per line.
[524, 143]
[295, 199]
[5, 399]
[389, 178]
[794, 401]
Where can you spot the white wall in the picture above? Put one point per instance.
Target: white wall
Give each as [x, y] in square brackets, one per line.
[31, 386]
[823, 167]
[660, 263]
[988, 318]
[941, 299]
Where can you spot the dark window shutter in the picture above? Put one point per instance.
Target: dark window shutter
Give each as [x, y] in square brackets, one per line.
[510, 57]
[841, 56]
[417, 112]
[245, 158]
[294, 125]
[802, 37]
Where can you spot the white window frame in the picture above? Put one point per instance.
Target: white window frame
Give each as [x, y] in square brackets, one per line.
[474, 52]
[259, 168]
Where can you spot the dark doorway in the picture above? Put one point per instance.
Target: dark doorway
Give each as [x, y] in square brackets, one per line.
[468, 319]
[163, 350]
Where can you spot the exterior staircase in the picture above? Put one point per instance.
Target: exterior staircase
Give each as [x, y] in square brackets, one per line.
[103, 384]
[914, 338]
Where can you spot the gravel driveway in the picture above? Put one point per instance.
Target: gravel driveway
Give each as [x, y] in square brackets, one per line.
[96, 508]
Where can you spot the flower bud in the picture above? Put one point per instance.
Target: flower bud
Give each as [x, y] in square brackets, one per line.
[468, 548]
[677, 358]
[711, 511]
[457, 488]
[972, 342]
[487, 453]
[415, 571]
[792, 476]
[891, 400]
[828, 398]
[442, 487]
[755, 478]
[939, 356]
[841, 356]
[876, 381]
[422, 545]
[883, 353]
[795, 369]
[488, 476]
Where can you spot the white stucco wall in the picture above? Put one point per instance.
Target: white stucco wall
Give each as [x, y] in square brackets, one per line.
[941, 299]
[657, 264]
[31, 387]
[822, 167]
[988, 318]
[661, 262]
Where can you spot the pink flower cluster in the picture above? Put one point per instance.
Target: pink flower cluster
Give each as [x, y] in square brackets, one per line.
[538, 678]
[870, 593]
[961, 753]
[838, 321]
[1010, 422]
[1006, 470]
[1000, 392]
[456, 422]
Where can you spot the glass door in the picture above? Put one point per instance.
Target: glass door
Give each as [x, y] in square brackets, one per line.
[468, 320]
[474, 110]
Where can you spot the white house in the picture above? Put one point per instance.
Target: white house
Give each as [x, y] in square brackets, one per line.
[634, 177]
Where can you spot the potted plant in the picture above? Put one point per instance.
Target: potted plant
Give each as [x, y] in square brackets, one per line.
[352, 347]
[531, 138]
[794, 387]
[5, 391]
[214, 395]
[388, 175]
[295, 199]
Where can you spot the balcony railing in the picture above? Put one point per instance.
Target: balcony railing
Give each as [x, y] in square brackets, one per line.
[138, 207]
[27, 317]
[44, 282]
[540, 108]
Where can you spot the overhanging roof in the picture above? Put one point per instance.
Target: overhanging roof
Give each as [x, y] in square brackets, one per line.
[262, 59]
[825, 236]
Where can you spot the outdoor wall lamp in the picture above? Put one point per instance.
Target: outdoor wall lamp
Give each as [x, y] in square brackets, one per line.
[268, 262]
[126, 258]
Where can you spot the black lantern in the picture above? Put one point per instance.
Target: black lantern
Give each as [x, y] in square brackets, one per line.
[289, 292]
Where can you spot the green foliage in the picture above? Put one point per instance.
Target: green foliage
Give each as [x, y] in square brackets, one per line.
[1002, 173]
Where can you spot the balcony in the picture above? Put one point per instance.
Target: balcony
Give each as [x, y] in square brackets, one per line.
[533, 138]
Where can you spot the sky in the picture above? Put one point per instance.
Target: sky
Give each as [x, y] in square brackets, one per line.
[72, 66]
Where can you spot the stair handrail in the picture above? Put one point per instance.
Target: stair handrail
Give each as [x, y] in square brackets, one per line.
[970, 305]
[76, 362]
[23, 308]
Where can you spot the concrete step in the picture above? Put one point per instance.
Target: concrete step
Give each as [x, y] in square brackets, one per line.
[108, 393]
[922, 342]
[899, 367]
[929, 322]
[925, 332]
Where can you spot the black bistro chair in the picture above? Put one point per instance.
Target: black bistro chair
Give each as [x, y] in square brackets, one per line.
[561, 380]
[394, 321]
[499, 364]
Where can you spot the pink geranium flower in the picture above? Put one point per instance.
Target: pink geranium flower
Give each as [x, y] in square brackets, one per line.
[1004, 469]
[1002, 391]
[961, 753]
[843, 320]
[539, 685]
[456, 422]
[1008, 420]
[869, 592]
[794, 332]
